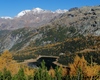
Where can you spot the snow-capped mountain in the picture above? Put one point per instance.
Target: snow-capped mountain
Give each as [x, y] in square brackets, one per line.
[35, 11]
[39, 11]
[29, 18]
[16, 34]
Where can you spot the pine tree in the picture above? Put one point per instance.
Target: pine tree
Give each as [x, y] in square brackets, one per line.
[6, 75]
[21, 75]
[58, 73]
[41, 73]
[1, 76]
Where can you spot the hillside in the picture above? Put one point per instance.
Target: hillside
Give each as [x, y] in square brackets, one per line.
[71, 33]
[86, 20]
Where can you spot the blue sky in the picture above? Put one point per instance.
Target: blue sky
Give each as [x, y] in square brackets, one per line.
[13, 7]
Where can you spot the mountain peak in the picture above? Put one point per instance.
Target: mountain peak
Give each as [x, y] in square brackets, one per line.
[37, 10]
[23, 13]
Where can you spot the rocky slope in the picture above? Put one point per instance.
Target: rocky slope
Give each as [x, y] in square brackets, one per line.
[86, 20]
[48, 28]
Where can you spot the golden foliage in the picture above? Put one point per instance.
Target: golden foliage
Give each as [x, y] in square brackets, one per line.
[51, 72]
[64, 72]
[86, 70]
[28, 71]
[7, 56]
[6, 61]
[78, 63]
[91, 71]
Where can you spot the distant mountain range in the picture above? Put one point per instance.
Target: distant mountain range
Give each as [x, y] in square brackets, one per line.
[40, 27]
[29, 18]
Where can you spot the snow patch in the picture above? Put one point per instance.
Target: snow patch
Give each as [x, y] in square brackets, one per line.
[61, 11]
[22, 13]
[6, 17]
[38, 10]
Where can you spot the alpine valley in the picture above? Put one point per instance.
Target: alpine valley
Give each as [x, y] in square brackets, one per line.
[62, 33]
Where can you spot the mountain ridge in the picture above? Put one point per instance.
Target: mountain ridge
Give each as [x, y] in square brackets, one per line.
[29, 18]
[35, 11]
[74, 23]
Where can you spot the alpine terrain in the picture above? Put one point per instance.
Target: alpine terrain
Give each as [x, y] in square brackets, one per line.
[43, 32]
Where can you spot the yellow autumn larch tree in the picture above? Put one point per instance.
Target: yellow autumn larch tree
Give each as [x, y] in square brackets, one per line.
[6, 61]
[87, 70]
